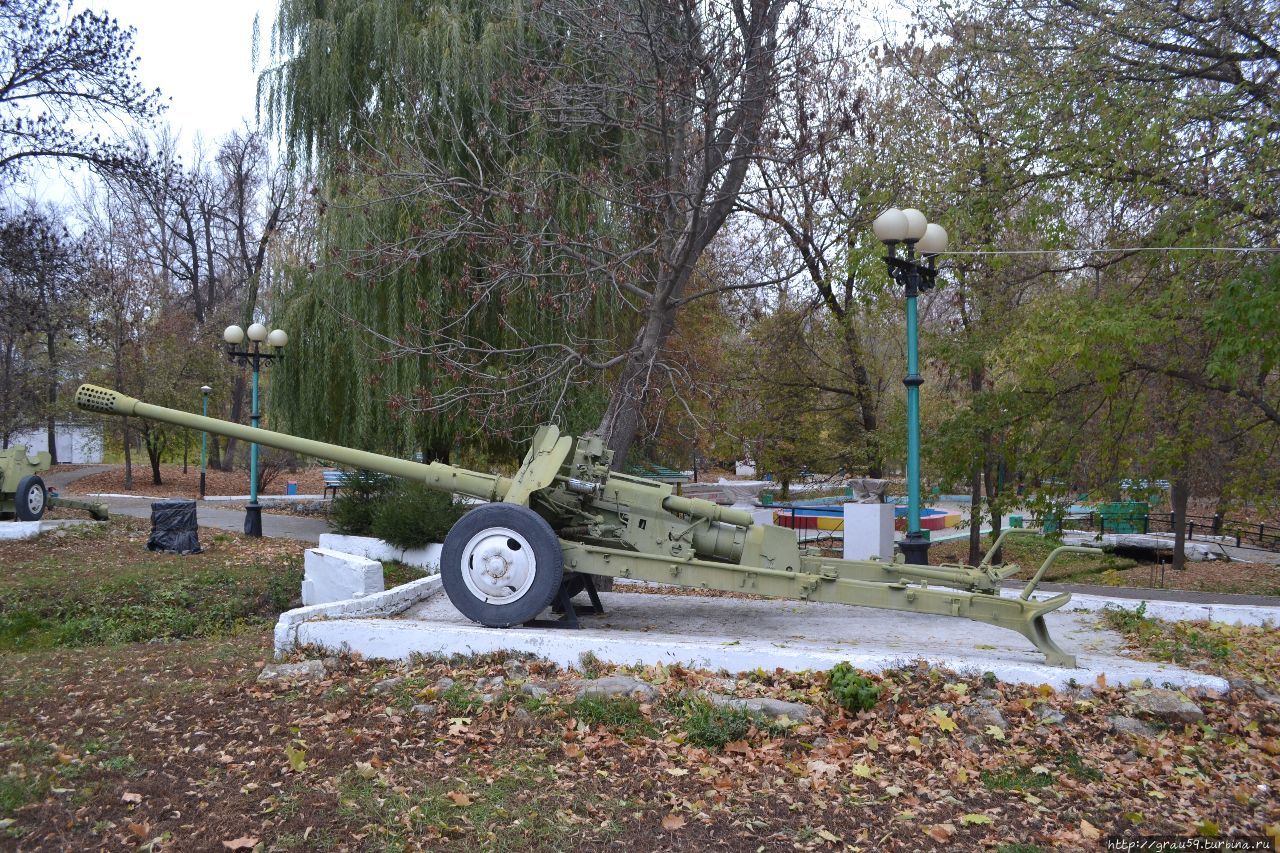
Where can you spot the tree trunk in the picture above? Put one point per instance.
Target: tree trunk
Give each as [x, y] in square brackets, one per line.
[237, 410]
[1180, 491]
[128, 456]
[621, 421]
[991, 479]
[154, 449]
[975, 516]
[866, 401]
[52, 398]
[7, 401]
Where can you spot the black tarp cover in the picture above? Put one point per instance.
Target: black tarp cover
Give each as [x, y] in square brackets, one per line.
[173, 527]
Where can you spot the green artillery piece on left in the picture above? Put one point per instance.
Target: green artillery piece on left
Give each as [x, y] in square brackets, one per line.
[23, 495]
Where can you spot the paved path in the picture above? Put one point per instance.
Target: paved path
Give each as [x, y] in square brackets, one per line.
[208, 514]
[62, 479]
[225, 518]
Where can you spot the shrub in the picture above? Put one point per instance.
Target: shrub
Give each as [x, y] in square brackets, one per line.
[358, 501]
[854, 692]
[413, 515]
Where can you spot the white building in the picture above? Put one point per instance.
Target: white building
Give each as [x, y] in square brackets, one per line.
[77, 443]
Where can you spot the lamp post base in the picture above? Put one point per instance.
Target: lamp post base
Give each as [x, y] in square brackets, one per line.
[202, 485]
[915, 547]
[253, 520]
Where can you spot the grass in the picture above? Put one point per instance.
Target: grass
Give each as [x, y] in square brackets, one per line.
[715, 726]
[403, 816]
[1248, 652]
[1015, 778]
[622, 713]
[138, 605]
[1030, 552]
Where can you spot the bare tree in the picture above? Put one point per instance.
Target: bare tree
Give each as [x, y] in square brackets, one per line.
[57, 70]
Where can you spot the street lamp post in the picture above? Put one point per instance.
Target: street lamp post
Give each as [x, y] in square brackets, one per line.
[204, 436]
[910, 228]
[234, 336]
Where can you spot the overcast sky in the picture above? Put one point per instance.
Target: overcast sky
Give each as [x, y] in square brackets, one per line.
[200, 56]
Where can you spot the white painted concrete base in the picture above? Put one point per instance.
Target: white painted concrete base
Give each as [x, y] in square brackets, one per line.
[739, 635]
[427, 558]
[386, 603]
[17, 531]
[330, 576]
[1182, 611]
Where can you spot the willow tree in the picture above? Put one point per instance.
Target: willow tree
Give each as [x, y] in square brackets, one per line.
[389, 108]
[524, 193]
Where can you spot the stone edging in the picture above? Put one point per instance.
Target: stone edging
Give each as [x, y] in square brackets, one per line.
[386, 603]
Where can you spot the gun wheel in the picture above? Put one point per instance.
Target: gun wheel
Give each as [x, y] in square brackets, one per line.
[30, 500]
[501, 565]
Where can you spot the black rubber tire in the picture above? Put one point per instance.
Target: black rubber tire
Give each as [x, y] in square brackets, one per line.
[548, 564]
[27, 488]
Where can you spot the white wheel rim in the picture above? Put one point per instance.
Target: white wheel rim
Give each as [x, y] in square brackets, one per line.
[35, 500]
[498, 566]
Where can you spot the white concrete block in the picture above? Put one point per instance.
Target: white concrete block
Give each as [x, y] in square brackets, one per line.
[427, 558]
[386, 603]
[1179, 611]
[16, 531]
[334, 576]
[868, 531]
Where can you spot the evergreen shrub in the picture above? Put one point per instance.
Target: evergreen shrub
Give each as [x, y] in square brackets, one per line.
[412, 516]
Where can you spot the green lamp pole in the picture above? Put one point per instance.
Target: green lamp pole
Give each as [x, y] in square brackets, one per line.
[204, 436]
[234, 336]
[910, 228]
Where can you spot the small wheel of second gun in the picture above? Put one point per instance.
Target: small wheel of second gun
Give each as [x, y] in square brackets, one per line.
[31, 498]
[501, 565]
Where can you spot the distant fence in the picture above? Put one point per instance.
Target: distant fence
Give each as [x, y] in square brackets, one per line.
[1261, 537]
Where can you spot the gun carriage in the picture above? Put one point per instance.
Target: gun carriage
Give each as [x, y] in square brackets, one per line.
[23, 494]
[566, 516]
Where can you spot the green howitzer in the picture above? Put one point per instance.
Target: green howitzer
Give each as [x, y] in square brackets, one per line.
[565, 516]
[23, 496]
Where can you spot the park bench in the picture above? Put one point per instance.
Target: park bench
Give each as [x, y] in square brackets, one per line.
[333, 481]
[652, 471]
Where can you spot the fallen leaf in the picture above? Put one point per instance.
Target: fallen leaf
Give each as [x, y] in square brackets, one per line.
[941, 832]
[944, 721]
[141, 830]
[297, 757]
[676, 771]
[672, 822]
[130, 797]
[459, 798]
[995, 732]
[739, 746]
[572, 750]
[829, 836]
[1087, 830]
[244, 842]
[975, 819]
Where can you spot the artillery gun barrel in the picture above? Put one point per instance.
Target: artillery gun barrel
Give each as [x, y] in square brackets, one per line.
[444, 478]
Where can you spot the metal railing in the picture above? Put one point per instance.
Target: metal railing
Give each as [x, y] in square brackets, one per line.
[814, 536]
[1242, 534]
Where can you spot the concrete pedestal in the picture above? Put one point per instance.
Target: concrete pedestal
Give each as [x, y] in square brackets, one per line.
[868, 531]
[334, 576]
